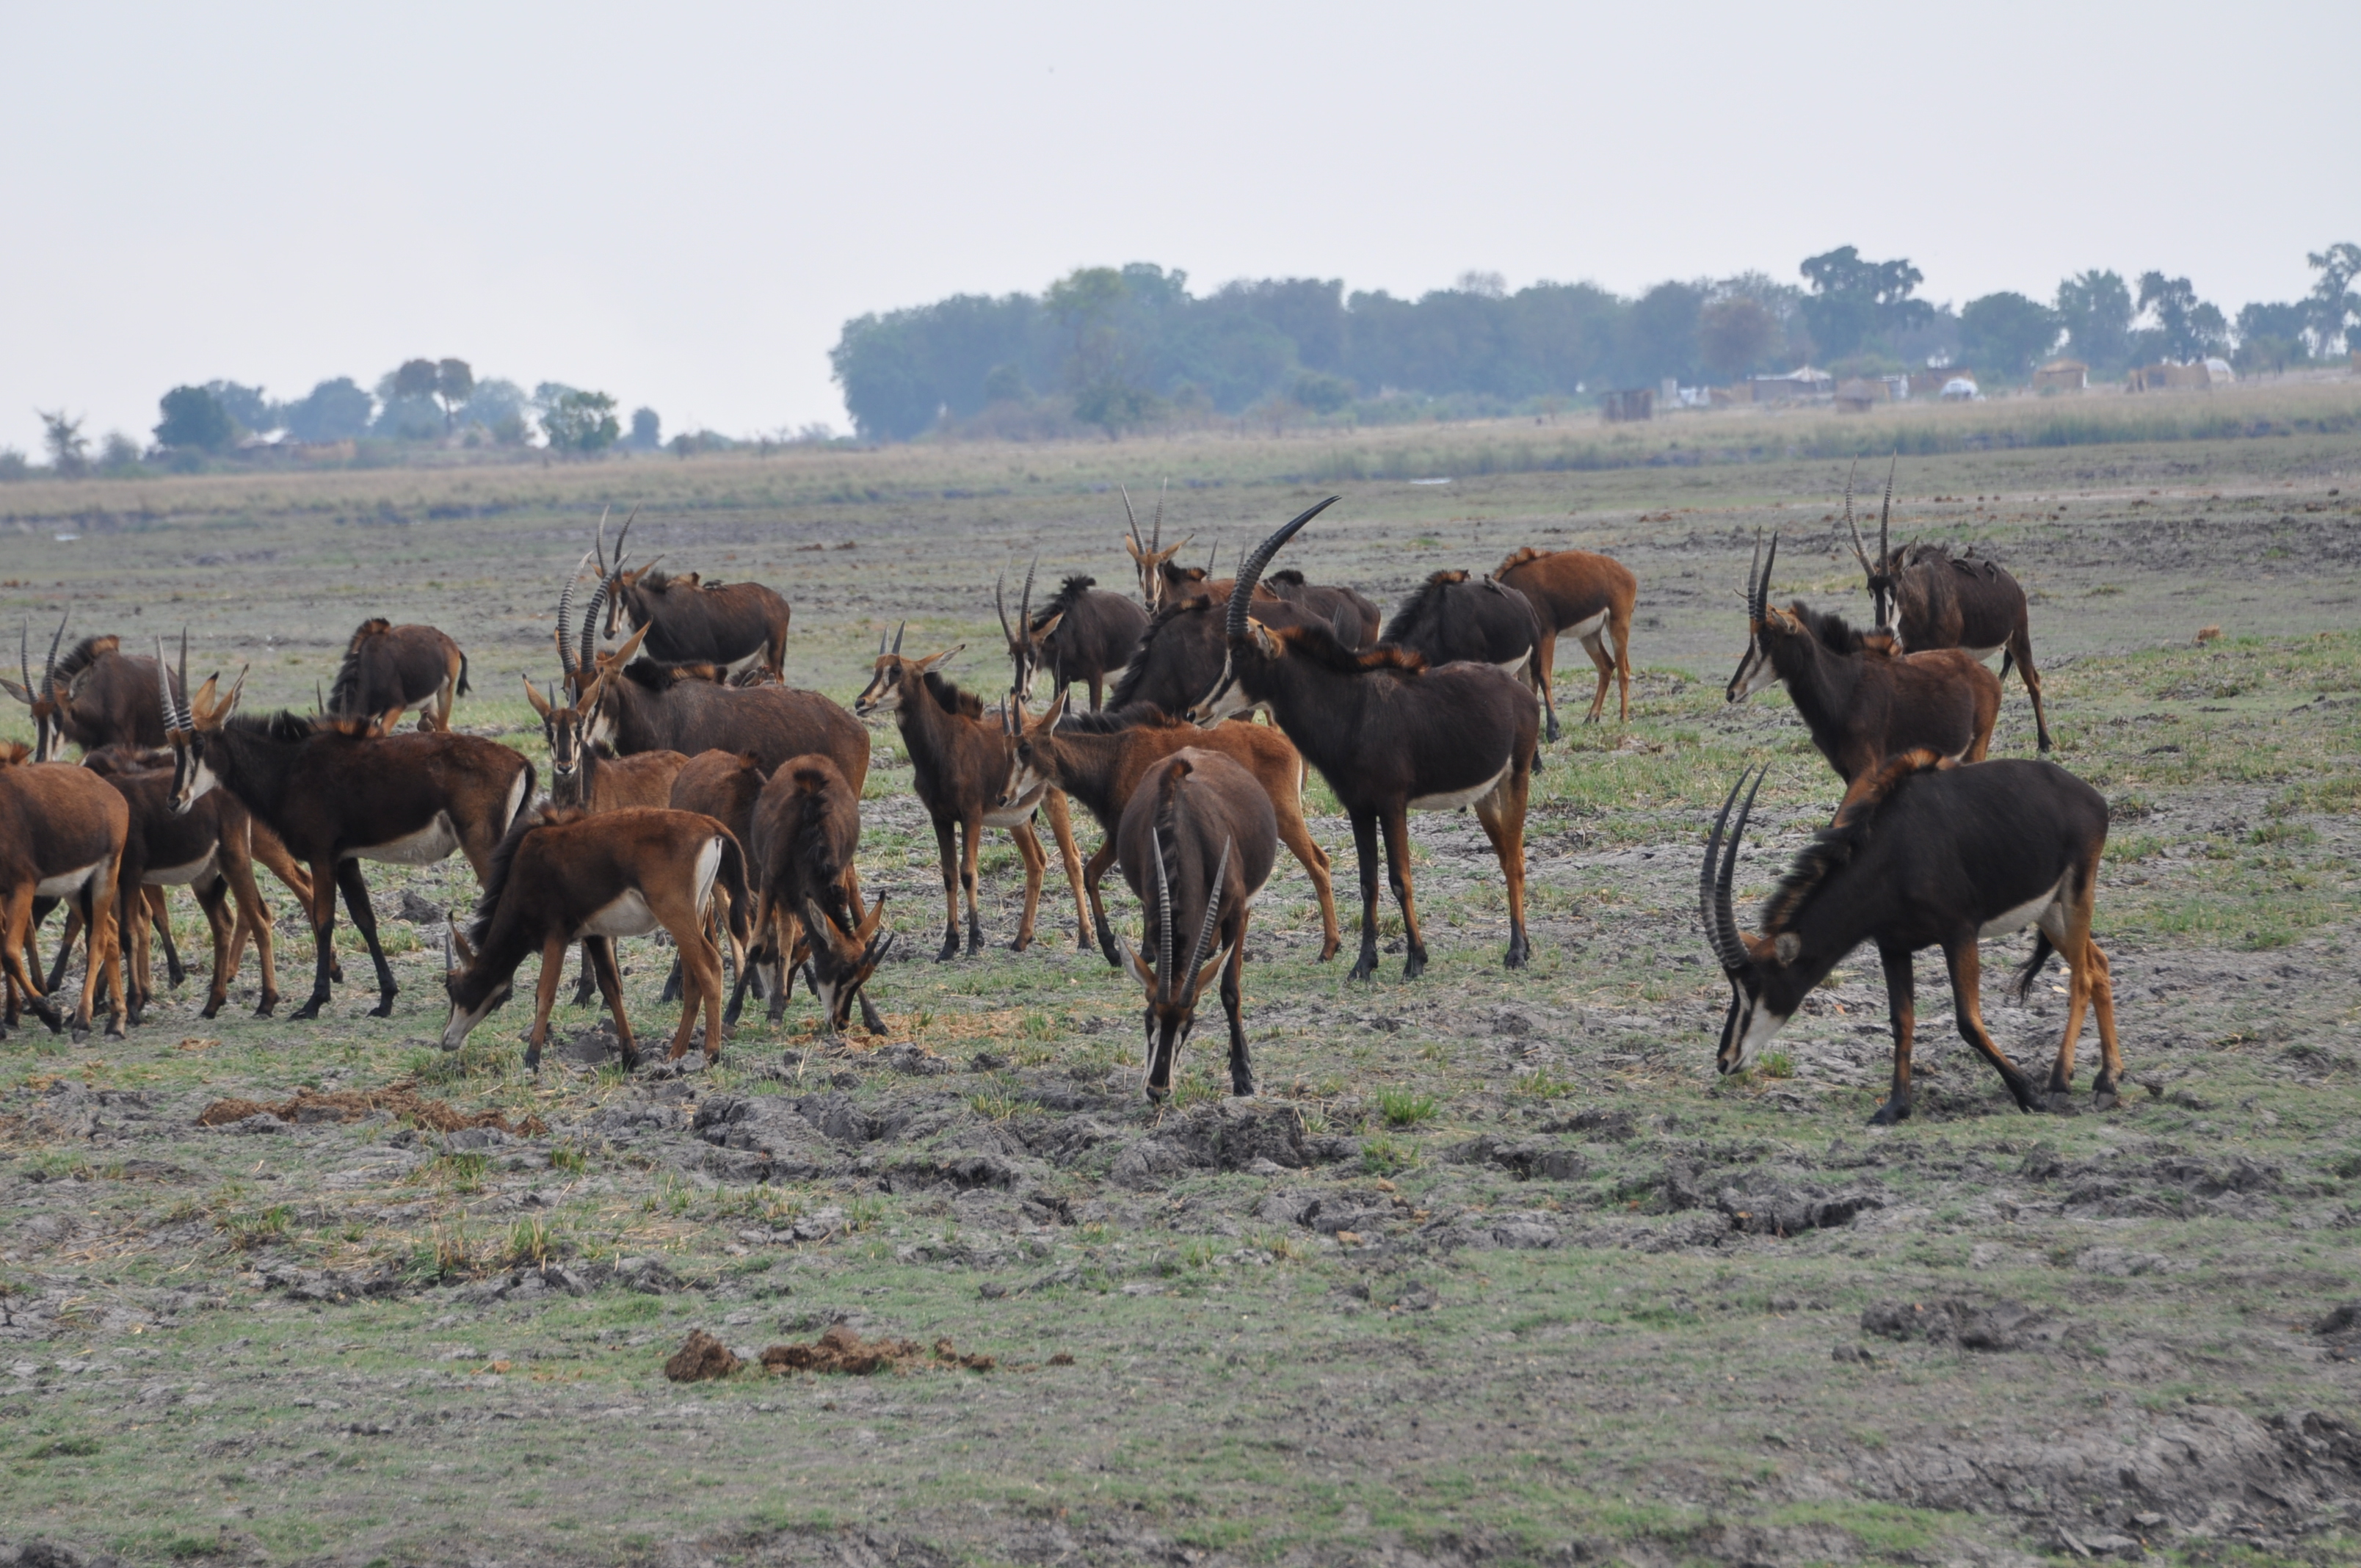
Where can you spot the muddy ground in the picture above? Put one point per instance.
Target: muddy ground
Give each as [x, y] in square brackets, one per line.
[1493, 1270]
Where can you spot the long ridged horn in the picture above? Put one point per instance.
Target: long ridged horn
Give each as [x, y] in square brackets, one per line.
[1754, 573]
[24, 659]
[620, 537]
[1025, 599]
[1859, 550]
[1213, 910]
[897, 638]
[588, 656]
[49, 669]
[1250, 570]
[164, 689]
[188, 720]
[1157, 541]
[565, 611]
[601, 546]
[1000, 603]
[1164, 919]
[1762, 589]
[1714, 880]
[881, 641]
[1131, 521]
[1886, 515]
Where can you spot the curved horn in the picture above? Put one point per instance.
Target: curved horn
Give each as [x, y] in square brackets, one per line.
[1000, 603]
[1131, 520]
[1859, 550]
[588, 654]
[601, 546]
[897, 638]
[621, 537]
[24, 659]
[1754, 573]
[1213, 910]
[1886, 516]
[187, 721]
[164, 688]
[1762, 589]
[1214, 557]
[1714, 880]
[1250, 570]
[1157, 543]
[565, 611]
[50, 670]
[1025, 599]
[1164, 918]
[881, 641]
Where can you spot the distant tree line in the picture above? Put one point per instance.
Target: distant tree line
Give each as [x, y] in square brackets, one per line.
[1121, 348]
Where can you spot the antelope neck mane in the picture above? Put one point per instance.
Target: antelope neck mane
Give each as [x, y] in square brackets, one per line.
[85, 653]
[1319, 645]
[1834, 846]
[948, 695]
[1116, 721]
[1070, 594]
[1524, 556]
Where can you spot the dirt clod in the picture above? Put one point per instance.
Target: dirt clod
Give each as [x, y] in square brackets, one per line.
[841, 1350]
[400, 1097]
[700, 1358]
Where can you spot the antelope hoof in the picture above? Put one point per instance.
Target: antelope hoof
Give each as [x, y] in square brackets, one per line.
[384, 1009]
[1083, 942]
[1364, 966]
[630, 1061]
[1242, 1085]
[1553, 732]
[309, 1010]
[1894, 1111]
[950, 945]
[870, 1020]
[2027, 1100]
[80, 1033]
[1521, 952]
[270, 1004]
[211, 1008]
[1415, 965]
[533, 1059]
[1024, 940]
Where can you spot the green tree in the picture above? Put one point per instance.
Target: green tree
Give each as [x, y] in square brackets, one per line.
[1736, 335]
[1098, 363]
[582, 423]
[2335, 305]
[333, 410]
[2095, 310]
[69, 448]
[2007, 335]
[454, 383]
[195, 420]
[647, 431]
[1855, 300]
[2181, 325]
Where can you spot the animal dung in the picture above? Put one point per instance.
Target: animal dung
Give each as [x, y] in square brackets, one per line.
[2208, 634]
[700, 1358]
[841, 1350]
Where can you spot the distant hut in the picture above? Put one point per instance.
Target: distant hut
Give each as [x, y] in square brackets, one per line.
[1930, 383]
[2219, 374]
[2168, 377]
[2062, 376]
[1625, 407]
[1859, 394]
[1805, 382]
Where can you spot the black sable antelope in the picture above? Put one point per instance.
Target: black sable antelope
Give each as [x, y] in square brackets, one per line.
[1343, 610]
[1452, 617]
[62, 831]
[688, 620]
[1084, 634]
[1928, 855]
[1196, 845]
[959, 763]
[559, 877]
[388, 668]
[1931, 599]
[1099, 759]
[1149, 556]
[808, 913]
[1183, 654]
[1861, 703]
[1390, 736]
[336, 795]
[1584, 596]
[96, 696]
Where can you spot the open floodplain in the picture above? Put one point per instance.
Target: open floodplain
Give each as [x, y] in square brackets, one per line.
[1495, 1269]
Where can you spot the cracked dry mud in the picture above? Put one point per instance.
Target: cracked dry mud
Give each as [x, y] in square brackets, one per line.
[1493, 1270]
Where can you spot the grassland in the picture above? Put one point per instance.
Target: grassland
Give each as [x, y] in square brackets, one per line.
[1495, 1270]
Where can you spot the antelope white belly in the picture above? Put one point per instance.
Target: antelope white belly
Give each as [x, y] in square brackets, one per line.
[179, 876]
[740, 666]
[627, 915]
[1586, 631]
[65, 882]
[1515, 666]
[1010, 814]
[423, 847]
[1981, 655]
[1458, 798]
[2026, 913]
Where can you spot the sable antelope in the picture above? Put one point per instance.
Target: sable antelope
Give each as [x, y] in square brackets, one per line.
[1084, 634]
[96, 696]
[1346, 613]
[959, 761]
[808, 908]
[689, 620]
[1930, 599]
[723, 785]
[388, 668]
[62, 831]
[1197, 842]
[1390, 736]
[1450, 618]
[559, 877]
[1181, 654]
[1099, 759]
[1927, 855]
[338, 794]
[1861, 703]
[1586, 596]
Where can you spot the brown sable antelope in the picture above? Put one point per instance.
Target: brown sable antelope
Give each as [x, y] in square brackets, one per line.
[1927, 855]
[62, 831]
[958, 761]
[559, 877]
[1861, 703]
[1390, 736]
[388, 668]
[1099, 759]
[1587, 597]
[96, 696]
[723, 785]
[338, 794]
[1349, 615]
[1451, 618]
[808, 908]
[1084, 634]
[1196, 844]
[689, 620]
[1931, 599]
[1182, 655]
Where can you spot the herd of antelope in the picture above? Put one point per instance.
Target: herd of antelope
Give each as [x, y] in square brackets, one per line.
[692, 790]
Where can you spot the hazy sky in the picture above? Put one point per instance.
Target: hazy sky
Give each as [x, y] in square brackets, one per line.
[682, 204]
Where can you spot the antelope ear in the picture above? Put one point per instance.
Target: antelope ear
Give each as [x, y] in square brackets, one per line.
[1212, 967]
[1788, 946]
[1138, 966]
[868, 931]
[934, 662]
[1057, 711]
[533, 695]
[1262, 638]
[19, 693]
[630, 650]
[1049, 625]
[459, 939]
[1132, 545]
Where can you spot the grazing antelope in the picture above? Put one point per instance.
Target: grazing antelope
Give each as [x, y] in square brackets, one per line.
[96, 696]
[336, 793]
[1344, 610]
[387, 668]
[62, 831]
[1099, 759]
[959, 761]
[1084, 634]
[1390, 736]
[1589, 597]
[689, 620]
[561, 876]
[1196, 844]
[1927, 855]
[1451, 618]
[1181, 654]
[1861, 703]
[1930, 599]
[1150, 556]
[807, 905]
